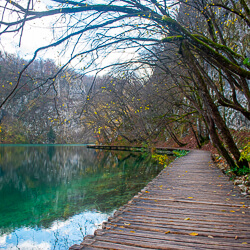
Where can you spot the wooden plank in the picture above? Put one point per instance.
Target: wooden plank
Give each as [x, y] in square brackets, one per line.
[174, 237]
[172, 215]
[153, 244]
[155, 206]
[185, 221]
[180, 229]
[111, 245]
[174, 240]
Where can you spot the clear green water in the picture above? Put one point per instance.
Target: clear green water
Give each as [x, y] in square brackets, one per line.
[52, 196]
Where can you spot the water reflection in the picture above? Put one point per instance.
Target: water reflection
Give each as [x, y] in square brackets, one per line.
[41, 187]
[60, 235]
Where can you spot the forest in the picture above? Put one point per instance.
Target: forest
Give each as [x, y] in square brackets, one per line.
[183, 71]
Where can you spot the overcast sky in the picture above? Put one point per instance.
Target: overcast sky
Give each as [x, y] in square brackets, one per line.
[38, 33]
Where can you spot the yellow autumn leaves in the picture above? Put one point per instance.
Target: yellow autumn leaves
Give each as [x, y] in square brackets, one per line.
[191, 234]
[162, 159]
[9, 83]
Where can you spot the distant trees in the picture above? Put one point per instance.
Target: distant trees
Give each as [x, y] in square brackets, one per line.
[39, 105]
[200, 48]
[12, 131]
[129, 109]
[51, 136]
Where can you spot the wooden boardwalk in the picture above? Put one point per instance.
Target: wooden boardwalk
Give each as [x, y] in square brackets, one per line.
[189, 205]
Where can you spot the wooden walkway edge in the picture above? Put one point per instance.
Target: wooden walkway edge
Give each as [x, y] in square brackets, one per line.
[136, 149]
[189, 205]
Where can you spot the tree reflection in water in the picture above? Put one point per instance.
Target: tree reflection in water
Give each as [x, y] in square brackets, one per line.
[51, 196]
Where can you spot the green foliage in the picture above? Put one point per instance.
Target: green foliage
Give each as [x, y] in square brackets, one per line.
[239, 171]
[144, 144]
[245, 154]
[243, 171]
[180, 153]
[246, 62]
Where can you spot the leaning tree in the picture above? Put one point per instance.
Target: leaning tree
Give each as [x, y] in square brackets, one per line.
[89, 33]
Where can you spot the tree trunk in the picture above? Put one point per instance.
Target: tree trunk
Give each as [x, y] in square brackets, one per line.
[212, 108]
[195, 135]
[218, 144]
[180, 144]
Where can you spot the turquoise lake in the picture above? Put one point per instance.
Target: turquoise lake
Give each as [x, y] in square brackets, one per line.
[52, 196]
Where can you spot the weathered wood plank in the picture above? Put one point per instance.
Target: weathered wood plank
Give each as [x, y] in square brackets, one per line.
[152, 244]
[184, 230]
[111, 245]
[186, 221]
[173, 215]
[172, 240]
[173, 237]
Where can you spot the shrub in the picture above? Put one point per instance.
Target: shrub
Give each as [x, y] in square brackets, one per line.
[161, 159]
[245, 154]
[180, 153]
